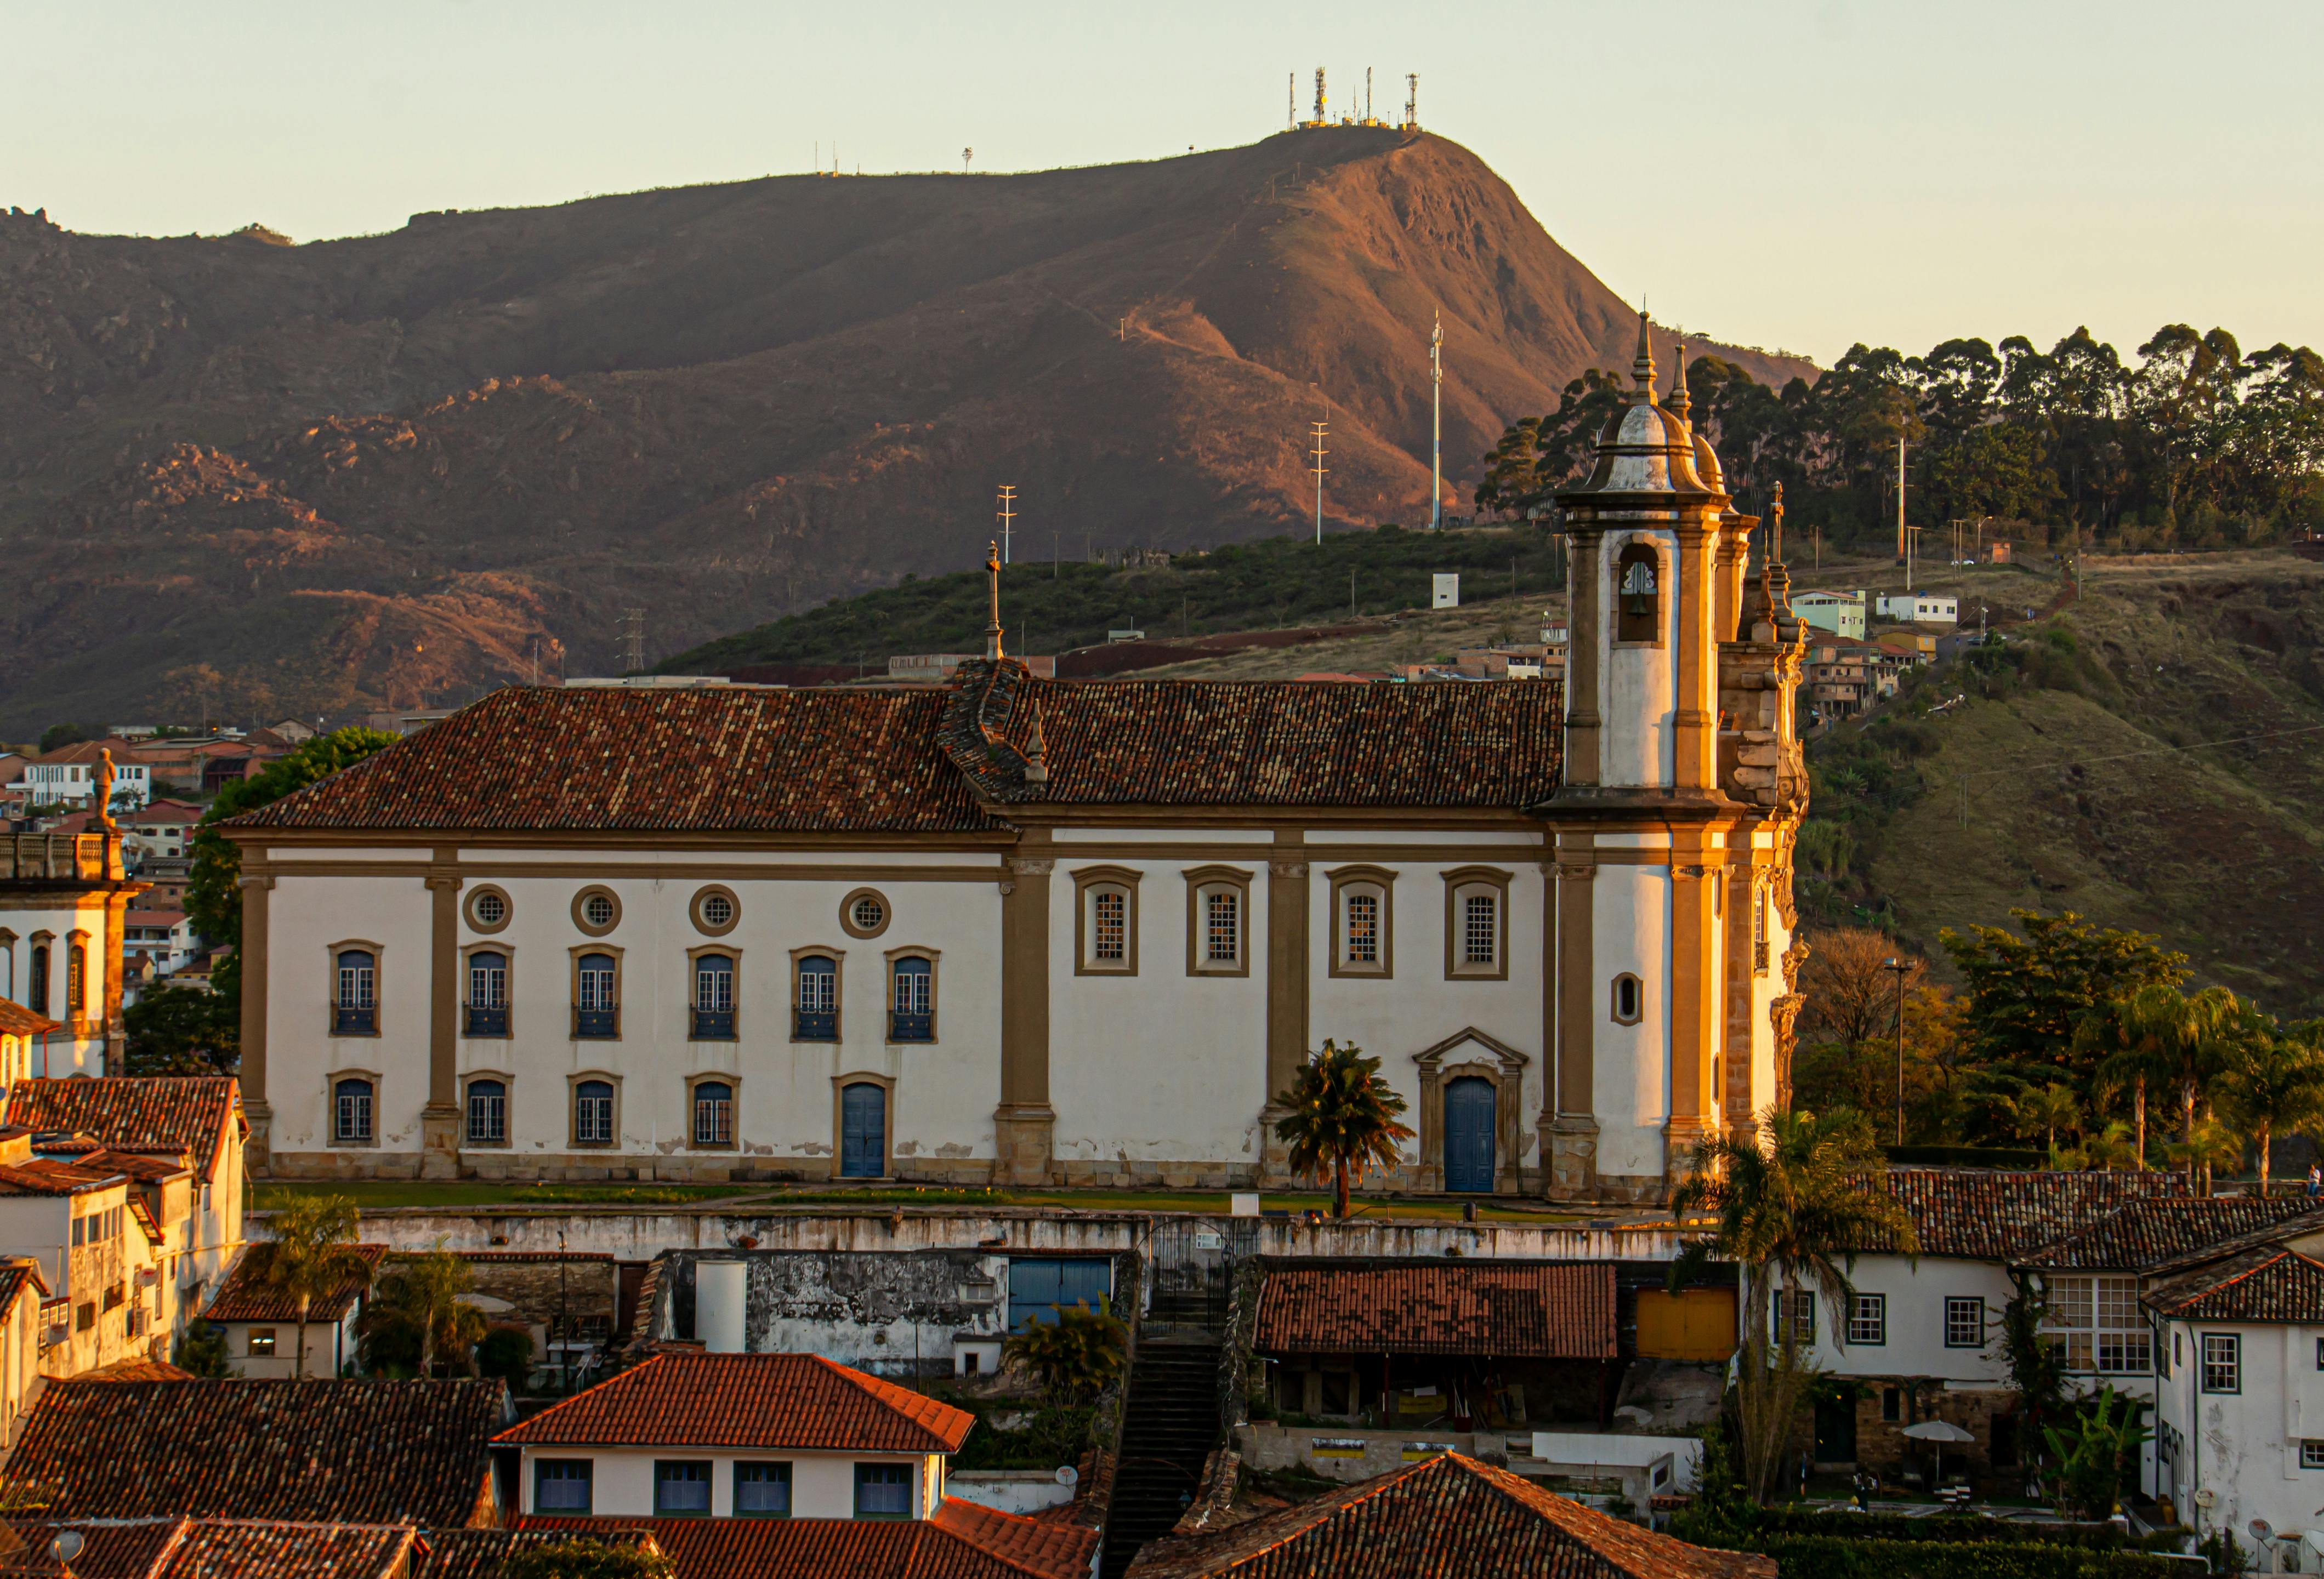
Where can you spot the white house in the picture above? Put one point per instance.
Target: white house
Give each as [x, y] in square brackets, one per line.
[160, 935]
[1920, 608]
[70, 775]
[739, 1435]
[160, 829]
[1839, 613]
[99, 1253]
[1030, 931]
[264, 1333]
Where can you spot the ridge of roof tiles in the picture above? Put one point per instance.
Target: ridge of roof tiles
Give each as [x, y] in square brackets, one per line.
[821, 1548]
[703, 1400]
[1449, 1514]
[16, 1019]
[1977, 1213]
[2155, 1236]
[1514, 1310]
[2271, 1285]
[247, 1296]
[944, 760]
[337, 1451]
[196, 1114]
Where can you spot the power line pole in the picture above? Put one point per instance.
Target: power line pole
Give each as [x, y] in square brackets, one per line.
[1007, 515]
[1900, 502]
[634, 640]
[1322, 430]
[1436, 424]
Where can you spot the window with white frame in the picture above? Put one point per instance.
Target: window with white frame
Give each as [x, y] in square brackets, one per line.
[1964, 1321]
[2098, 1323]
[592, 1113]
[487, 1112]
[1476, 923]
[1480, 930]
[2311, 1455]
[1795, 1316]
[2223, 1362]
[1867, 1319]
[351, 1118]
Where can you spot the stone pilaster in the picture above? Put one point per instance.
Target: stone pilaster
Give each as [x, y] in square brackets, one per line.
[440, 1120]
[1288, 968]
[257, 889]
[1569, 1137]
[1024, 1124]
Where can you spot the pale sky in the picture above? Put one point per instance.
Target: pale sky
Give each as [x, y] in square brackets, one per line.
[1796, 174]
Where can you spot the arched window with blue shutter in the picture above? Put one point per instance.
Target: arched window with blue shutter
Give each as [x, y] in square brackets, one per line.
[816, 1017]
[912, 1007]
[488, 993]
[714, 997]
[595, 1013]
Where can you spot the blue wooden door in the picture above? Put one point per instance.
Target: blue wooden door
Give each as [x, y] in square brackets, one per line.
[1469, 1135]
[862, 1131]
[1040, 1288]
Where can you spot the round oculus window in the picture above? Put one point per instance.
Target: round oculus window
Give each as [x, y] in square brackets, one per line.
[865, 912]
[489, 909]
[718, 910]
[868, 912]
[597, 910]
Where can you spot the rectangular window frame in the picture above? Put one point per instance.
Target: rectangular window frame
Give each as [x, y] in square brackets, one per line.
[259, 1342]
[1801, 1317]
[1346, 883]
[2220, 1356]
[1963, 1312]
[788, 1480]
[863, 1471]
[469, 1139]
[586, 1479]
[1460, 882]
[486, 1021]
[573, 1084]
[2097, 1325]
[1867, 1322]
[706, 1478]
[340, 1140]
[1200, 882]
[1089, 882]
[356, 1030]
[734, 1083]
[887, 1010]
[838, 1011]
[2312, 1454]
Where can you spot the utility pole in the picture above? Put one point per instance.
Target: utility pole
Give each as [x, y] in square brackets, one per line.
[1007, 516]
[1436, 424]
[1323, 431]
[1900, 966]
[1900, 501]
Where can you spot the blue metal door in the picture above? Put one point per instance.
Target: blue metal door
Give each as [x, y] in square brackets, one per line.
[862, 1131]
[1038, 1290]
[1469, 1135]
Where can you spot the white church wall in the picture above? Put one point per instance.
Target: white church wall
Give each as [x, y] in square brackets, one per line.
[1630, 918]
[1637, 683]
[65, 1054]
[308, 917]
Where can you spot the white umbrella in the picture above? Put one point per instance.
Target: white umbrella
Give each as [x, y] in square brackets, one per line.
[1939, 1432]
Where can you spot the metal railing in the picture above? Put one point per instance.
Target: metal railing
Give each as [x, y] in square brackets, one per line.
[904, 1027]
[487, 1022]
[814, 1025]
[595, 1025]
[347, 1022]
[714, 1025]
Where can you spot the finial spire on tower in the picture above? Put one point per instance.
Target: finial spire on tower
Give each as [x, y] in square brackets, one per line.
[1775, 528]
[1642, 367]
[992, 574]
[1680, 402]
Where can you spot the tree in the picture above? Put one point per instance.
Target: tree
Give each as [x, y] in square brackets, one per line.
[313, 1252]
[57, 737]
[2122, 1039]
[590, 1557]
[1850, 992]
[2027, 995]
[2090, 1454]
[421, 1297]
[2046, 1110]
[1797, 1211]
[505, 1354]
[202, 1351]
[1343, 1117]
[2273, 1083]
[182, 1031]
[213, 883]
[1073, 1357]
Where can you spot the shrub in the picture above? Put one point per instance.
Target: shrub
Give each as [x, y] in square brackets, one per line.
[1833, 1556]
[203, 1351]
[506, 1352]
[1049, 1438]
[1073, 1357]
[583, 1557]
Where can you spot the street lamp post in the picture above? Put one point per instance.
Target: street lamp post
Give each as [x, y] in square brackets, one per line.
[1900, 966]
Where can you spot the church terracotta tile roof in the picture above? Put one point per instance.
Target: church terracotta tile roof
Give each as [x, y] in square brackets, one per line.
[331, 1451]
[938, 760]
[247, 1296]
[1255, 742]
[838, 1548]
[197, 1114]
[1976, 1214]
[1446, 1515]
[605, 760]
[702, 1401]
[2154, 1234]
[2269, 1285]
[1515, 1311]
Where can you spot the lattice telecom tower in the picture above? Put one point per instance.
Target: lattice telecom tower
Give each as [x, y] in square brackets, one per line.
[1411, 102]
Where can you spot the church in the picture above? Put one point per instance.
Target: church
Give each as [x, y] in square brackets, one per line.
[1016, 930]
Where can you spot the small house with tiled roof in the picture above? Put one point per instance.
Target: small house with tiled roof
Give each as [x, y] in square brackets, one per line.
[24, 1040]
[1011, 929]
[262, 1324]
[687, 1434]
[1448, 1514]
[179, 1138]
[168, 1548]
[101, 1256]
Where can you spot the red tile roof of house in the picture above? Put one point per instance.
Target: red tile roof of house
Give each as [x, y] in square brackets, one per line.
[199, 1115]
[157, 1167]
[247, 1296]
[846, 1548]
[51, 1176]
[1513, 1310]
[136, 1370]
[215, 1549]
[1448, 1515]
[16, 1019]
[737, 759]
[359, 1452]
[127, 1549]
[1976, 1214]
[800, 1401]
[2272, 1285]
[2153, 1232]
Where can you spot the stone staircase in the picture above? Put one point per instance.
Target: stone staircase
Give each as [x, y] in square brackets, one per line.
[1170, 1423]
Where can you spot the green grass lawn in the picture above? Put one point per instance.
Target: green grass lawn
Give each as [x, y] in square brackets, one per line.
[380, 1195]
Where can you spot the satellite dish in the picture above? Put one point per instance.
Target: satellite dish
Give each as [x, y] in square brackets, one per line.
[1068, 1475]
[2206, 1496]
[67, 1546]
[2261, 1529]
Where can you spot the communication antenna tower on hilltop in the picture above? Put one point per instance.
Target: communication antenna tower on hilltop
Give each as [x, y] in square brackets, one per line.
[1367, 96]
[1007, 515]
[1290, 100]
[633, 640]
[1320, 100]
[1411, 102]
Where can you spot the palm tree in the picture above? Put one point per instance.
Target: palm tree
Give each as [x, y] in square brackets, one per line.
[313, 1252]
[2049, 1109]
[1798, 1210]
[2160, 1034]
[1342, 1116]
[2124, 1036]
[2276, 1083]
[425, 1292]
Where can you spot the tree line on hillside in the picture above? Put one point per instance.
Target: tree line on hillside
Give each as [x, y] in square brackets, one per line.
[2077, 1041]
[2196, 445]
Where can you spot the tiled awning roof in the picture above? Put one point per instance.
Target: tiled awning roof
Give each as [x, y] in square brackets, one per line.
[1512, 1310]
[2153, 1233]
[1448, 1515]
[2273, 1286]
[215, 1548]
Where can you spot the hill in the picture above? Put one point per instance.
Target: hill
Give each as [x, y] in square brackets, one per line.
[244, 478]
